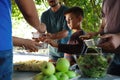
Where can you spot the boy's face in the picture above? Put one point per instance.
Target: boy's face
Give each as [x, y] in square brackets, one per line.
[73, 21]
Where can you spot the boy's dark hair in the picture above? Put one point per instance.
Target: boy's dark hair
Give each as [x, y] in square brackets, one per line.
[75, 10]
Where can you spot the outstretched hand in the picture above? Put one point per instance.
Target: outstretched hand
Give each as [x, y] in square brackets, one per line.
[30, 45]
[88, 35]
[51, 42]
[113, 42]
[41, 28]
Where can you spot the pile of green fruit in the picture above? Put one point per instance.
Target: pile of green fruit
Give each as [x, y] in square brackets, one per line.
[59, 71]
[93, 65]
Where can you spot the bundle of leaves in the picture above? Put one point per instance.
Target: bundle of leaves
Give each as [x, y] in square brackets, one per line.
[93, 65]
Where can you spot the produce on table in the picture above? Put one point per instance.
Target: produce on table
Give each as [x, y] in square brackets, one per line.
[50, 77]
[71, 74]
[93, 65]
[62, 65]
[55, 72]
[39, 76]
[48, 68]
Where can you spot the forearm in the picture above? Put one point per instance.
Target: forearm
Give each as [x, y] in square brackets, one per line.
[60, 35]
[18, 41]
[28, 9]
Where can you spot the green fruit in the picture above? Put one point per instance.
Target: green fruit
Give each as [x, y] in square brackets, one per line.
[61, 76]
[71, 74]
[50, 77]
[38, 76]
[62, 65]
[58, 74]
[64, 77]
[48, 68]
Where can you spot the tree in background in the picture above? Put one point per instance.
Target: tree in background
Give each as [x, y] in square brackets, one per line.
[92, 11]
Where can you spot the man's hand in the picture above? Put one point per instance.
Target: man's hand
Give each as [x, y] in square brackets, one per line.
[30, 45]
[41, 28]
[51, 42]
[113, 42]
[89, 35]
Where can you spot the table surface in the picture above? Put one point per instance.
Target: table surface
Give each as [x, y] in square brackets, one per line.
[23, 75]
[30, 75]
[107, 77]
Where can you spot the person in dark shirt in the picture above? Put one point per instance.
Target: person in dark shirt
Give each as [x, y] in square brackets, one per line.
[74, 17]
[56, 25]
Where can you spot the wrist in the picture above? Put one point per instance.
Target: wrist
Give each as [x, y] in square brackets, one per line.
[53, 36]
[41, 28]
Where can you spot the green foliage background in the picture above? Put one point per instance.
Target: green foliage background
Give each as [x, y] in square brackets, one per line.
[92, 11]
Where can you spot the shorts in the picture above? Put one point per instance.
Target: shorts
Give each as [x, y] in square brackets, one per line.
[6, 65]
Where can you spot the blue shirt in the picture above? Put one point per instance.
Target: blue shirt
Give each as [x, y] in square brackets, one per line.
[5, 25]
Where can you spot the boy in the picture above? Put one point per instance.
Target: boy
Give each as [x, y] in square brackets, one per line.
[74, 17]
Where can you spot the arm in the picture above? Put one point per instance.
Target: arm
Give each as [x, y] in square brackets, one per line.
[60, 35]
[67, 48]
[27, 43]
[28, 9]
[92, 34]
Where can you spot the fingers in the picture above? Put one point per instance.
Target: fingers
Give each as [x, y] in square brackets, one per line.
[108, 46]
[31, 46]
[89, 35]
[48, 41]
[35, 46]
[42, 28]
[106, 36]
[34, 49]
[44, 37]
[83, 37]
[51, 42]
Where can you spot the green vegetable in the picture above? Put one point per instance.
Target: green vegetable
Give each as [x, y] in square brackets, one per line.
[93, 65]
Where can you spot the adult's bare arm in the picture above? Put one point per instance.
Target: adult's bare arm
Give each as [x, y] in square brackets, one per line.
[27, 43]
[28, 9]
[60, 35]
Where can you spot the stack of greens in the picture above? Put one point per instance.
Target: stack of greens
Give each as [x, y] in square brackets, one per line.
[93, 65]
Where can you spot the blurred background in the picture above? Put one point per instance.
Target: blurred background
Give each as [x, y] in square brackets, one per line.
[92, 17]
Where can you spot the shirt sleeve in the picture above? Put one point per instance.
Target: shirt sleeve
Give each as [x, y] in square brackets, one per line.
[70, 48]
